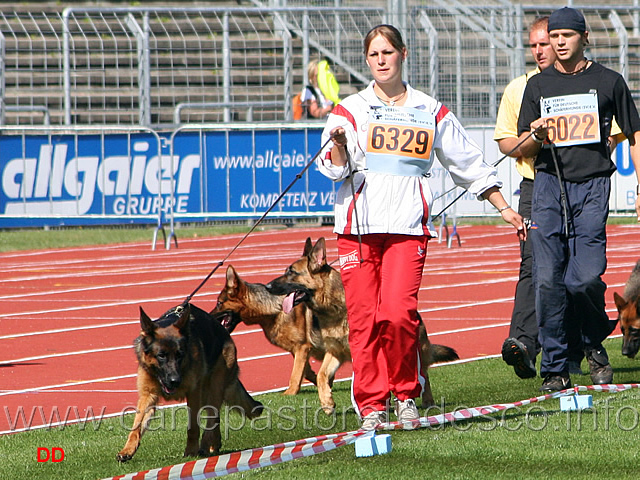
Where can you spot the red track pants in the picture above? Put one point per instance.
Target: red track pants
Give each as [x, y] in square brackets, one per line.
[382, 301]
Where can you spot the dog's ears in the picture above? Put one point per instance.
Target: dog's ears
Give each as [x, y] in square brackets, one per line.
[148, 327]
[183, 321]
[318, 255]
[233, 281]
[620, 302]
[307, 247]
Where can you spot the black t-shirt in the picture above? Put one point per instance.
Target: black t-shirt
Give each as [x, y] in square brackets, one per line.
[579, 163]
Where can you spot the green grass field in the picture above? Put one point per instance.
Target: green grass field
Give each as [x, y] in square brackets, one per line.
[538, 441]
[34, 239]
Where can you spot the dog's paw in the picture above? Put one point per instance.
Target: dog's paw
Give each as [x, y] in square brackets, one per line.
[256, 411]
[207, 452]
[328, 409]
[192, 452]
[123, 457]
[327, 404]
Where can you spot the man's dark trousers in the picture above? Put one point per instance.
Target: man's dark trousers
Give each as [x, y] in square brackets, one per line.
[567, 271]
[524, 326]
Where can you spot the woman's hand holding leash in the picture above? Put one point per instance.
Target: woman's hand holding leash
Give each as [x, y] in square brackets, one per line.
[339, 137]
[338, 151]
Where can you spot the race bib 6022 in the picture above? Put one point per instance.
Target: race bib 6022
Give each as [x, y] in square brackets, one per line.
[572, 119]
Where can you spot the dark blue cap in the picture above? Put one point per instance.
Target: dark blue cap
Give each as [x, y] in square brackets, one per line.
[567, 18]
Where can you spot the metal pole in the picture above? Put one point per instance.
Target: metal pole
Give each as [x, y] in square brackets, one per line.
[66, 66]
[458, 69]
[146, 74]
[226, 65]
[337, 42]
[493, 107]
[519, 54]
[433, 54]
[287, 51]
[305, 46]
[2, 82]
[144, 79]
[623, 36]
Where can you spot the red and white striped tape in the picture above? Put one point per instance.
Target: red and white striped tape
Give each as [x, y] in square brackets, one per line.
[247, 459]
[221, 465]
[466, 413]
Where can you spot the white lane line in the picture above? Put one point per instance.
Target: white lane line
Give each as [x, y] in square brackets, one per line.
[469, 329]
[62, 385]
[99, 305]
[65, 354]
[48, 388]
[66, 330]
[468, 305]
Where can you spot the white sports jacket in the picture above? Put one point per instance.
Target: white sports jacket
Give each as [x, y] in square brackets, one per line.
[388, 203]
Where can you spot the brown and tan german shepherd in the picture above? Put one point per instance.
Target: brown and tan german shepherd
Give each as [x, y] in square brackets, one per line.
[294, 330]
[320, 286]
[628, 307]
[187, 353]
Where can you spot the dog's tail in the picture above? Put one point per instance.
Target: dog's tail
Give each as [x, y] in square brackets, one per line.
[442, 353]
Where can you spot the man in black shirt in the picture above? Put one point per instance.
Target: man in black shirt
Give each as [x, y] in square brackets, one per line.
[567, 112]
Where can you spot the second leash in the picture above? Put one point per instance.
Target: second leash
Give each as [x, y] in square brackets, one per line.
[255, 225]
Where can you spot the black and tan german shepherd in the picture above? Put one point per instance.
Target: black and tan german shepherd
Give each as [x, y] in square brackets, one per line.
[312, 280]
[294, 330]
[187, 354]
[628, 306]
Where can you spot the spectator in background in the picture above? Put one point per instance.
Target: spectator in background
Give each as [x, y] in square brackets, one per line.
[321, 94]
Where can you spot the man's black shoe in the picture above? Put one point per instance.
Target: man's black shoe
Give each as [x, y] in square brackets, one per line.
[554, 382]
[514, 353]
[599, 366]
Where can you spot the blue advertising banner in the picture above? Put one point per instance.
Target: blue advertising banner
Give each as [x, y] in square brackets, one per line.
[139, 178]
[205, 174]
[258, 166]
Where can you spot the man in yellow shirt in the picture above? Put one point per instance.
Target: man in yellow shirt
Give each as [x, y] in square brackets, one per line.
[522, 346]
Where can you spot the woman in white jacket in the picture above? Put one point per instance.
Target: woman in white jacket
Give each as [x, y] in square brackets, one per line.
[388, 131]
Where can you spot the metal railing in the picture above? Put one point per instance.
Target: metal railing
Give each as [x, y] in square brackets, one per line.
[137, 65]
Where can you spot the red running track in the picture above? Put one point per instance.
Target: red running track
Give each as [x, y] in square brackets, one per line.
[69, 316]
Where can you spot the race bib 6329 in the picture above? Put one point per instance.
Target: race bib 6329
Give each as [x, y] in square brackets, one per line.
[400, 131]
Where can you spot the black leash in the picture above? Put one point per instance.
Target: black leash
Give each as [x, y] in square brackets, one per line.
[563, 193]
[500, 160]
[284, 192]
[355, 209]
